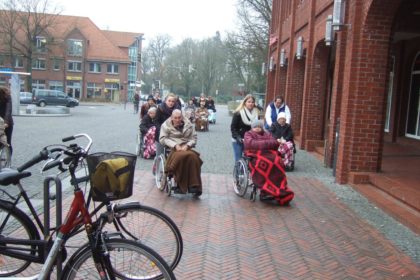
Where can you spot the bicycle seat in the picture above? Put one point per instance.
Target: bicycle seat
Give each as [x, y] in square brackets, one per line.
[11, 176]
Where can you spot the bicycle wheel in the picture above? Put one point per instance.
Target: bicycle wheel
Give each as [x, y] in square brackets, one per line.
[5, 157]
[14, 223]
[160, 172]
[240, 177]
[129, 260]
[151, 227]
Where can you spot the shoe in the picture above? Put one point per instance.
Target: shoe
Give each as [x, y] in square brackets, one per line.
[265, 197]
[194, 190]
[197, 194]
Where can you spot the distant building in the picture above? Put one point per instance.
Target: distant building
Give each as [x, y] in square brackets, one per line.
[80, 59]
[357, 86]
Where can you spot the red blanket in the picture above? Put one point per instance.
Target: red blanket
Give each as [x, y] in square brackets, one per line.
[267, 171]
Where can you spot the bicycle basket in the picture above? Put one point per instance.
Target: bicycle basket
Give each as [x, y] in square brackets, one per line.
[111, 175]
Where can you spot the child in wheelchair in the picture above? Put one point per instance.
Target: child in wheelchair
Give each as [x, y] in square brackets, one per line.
[183, 163]
[266, 165]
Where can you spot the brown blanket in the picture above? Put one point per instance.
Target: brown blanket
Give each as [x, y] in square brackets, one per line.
[186, 168]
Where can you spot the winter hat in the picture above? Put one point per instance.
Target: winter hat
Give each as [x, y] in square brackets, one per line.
[257, 123]
[150, 97]
[281, 115]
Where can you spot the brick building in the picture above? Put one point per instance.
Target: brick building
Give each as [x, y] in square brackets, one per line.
[87, 63]
[350, 78]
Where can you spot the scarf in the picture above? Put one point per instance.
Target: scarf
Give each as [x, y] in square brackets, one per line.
[247, 116]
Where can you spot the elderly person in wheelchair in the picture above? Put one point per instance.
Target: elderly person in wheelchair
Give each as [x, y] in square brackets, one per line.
[266, 165]
[179, 135]
[202, 117]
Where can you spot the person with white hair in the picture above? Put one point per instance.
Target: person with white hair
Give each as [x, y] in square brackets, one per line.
[274, 109]
[148, 126]
[282, 131]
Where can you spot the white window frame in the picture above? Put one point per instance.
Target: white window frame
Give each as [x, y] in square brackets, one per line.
[17, 60]
[74, 62]
[113, 66]
[41, 44]
[72, 49]
[37, 64]
[96, 67]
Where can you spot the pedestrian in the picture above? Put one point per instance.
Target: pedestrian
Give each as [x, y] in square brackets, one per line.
[273, 109]
[164, 111]
[242, 118]
[210, 104]
[283, 132]
[6, 114]
[136, 101]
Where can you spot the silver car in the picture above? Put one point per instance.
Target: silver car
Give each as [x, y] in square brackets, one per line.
[25, 97]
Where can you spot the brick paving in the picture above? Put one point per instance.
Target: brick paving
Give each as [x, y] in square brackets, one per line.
[317, 237]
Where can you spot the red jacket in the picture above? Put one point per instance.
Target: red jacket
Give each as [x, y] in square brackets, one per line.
[259, 141]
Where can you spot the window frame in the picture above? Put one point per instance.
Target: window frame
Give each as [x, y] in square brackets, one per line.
[97, 67]
[36, 64]
[71, 50]
[73, 62]
[113, 66]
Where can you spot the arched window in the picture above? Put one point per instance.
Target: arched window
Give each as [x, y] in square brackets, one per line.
[413, 115]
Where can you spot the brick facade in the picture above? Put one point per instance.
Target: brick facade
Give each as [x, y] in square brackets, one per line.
[347, 82]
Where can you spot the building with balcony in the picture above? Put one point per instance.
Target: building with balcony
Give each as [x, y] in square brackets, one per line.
[350, 72]
[77, 57]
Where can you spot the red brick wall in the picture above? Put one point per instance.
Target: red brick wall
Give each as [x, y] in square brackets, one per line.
[294, 96]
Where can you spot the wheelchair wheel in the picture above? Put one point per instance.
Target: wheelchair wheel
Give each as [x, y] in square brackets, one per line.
[139, 146]
[160, 177]
[5, 157]
[240, 177]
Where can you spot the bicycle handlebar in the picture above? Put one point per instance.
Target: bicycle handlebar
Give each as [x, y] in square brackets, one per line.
[43, 155]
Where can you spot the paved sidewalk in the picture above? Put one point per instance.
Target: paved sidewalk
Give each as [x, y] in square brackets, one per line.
[317, 237]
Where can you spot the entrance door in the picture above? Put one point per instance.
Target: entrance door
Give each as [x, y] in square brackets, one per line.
[74, 89]
[413, 117]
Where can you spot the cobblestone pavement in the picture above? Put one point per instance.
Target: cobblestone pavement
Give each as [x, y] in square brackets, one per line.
[328, 232]
[317, 237]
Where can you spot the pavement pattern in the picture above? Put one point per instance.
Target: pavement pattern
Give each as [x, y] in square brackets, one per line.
[316, 237]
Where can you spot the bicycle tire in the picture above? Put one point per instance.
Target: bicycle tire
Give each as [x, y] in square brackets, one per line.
[5, 157]
[148, 264]
[17, 225]
[151, 227]
[240, 177]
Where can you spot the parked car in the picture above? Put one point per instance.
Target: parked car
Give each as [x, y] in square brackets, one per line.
[43, 97]
[25, 97]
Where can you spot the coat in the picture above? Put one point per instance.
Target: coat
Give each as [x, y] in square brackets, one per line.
[259, 141]
[146, 123]
[162, 114]
[170, 136]
[6, 111]
[237, 126]
[284, 131]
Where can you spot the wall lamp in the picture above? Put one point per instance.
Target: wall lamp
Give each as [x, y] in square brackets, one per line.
[271, 64]
[338, 14]
[283, 60]
[329, 33]
[299, 48]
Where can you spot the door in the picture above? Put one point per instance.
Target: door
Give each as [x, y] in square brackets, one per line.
[413, 115]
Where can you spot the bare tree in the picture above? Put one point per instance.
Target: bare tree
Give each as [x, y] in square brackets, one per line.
[247, 49]
[156, 52]
[22, 23]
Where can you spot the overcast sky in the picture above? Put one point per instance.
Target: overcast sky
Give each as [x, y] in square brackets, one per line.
[180, 19]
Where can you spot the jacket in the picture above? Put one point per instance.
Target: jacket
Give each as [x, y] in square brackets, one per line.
[237, 126]
[6, 111]
[170, 136]
[146, 123]
[259, 141]
[284, 131]
[162, 114]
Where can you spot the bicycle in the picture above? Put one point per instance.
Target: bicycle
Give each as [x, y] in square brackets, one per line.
[20, 251]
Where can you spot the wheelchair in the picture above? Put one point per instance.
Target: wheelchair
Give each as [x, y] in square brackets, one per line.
[165, 182]
[242, 179]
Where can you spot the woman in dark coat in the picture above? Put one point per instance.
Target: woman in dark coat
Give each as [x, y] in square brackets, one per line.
[6, 113]
[242, 118]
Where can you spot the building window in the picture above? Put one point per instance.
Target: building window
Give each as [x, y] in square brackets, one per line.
[38, 64]
[93, 90]
[74, 47]
[94, 67]
[41, 44]
[74, 66]
[56, 85]
[112, 68]
[18, 62]
[38, 84]
[56, 64]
